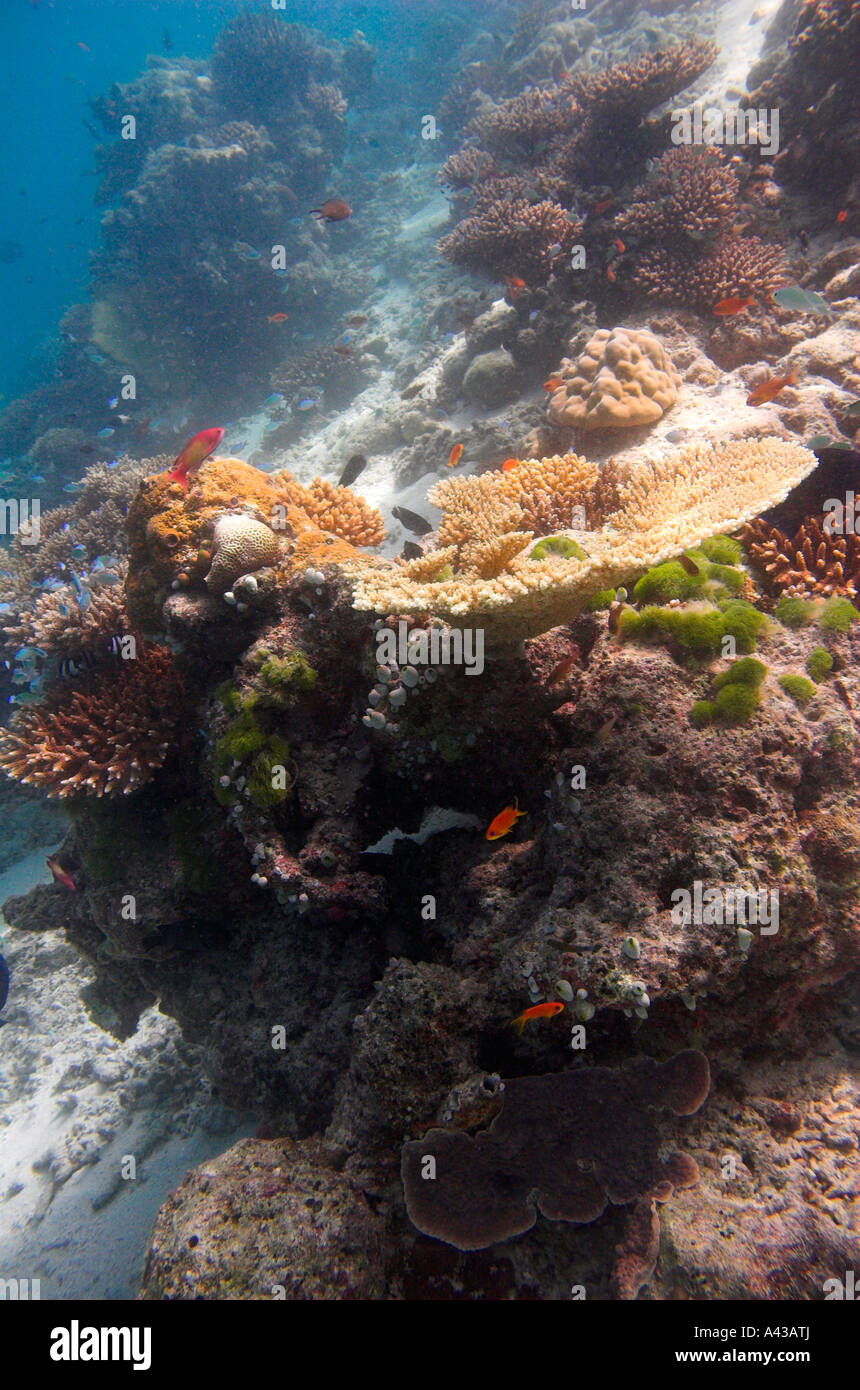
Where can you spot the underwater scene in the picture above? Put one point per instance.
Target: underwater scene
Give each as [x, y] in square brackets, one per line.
[430, 671]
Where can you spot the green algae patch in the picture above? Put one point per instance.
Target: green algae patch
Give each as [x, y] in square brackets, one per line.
[837, 615]
[736, 704]
[557, 545]
[747, 671]
[737, 695]
[702, 713]
[798, 687]
[722, 550]
[672, 580]
[696, 630]
[819, 664]
[794, 612]
[601, 600]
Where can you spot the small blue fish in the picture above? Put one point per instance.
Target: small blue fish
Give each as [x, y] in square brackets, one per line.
[5, 608]
[35, 478]
[25, 697]
[281, 273]
[274, 399]
[105, 433]
[113, 402]
[307, 403]
[93, 356]
[29, 653]
[533, 313]
[74, 487]
[79, 551]
[805, 301]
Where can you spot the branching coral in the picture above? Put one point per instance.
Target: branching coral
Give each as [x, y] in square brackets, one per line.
[663, 508]
[258, 60]
[65, 630]
[810, 564]
[692, 194]
[337, 510]
[110, 736]
[635, 88]
[521, 122]
[733, 266]
[623, 378]
[511, 237]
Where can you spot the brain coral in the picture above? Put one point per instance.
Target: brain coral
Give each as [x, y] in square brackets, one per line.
[624, 377]
[242, 545]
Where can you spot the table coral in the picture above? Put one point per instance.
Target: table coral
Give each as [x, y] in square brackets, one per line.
[624, 377]
[566, 1145]
[661, 509]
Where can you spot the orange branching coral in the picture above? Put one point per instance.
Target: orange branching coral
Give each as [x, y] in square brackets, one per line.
[109, 736]
[812, 563]
[337, 510]
[640, 86]
[734, 265]
[691, 194]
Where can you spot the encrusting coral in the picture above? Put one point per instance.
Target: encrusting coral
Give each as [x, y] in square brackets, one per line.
[624, 377]
[660, 509]
[566, 1145]
[813, 562]
[110, 735]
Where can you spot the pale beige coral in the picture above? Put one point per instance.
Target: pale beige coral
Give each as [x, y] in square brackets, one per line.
[623, 378]
[60, 626]
[663, 508]
[242, 545]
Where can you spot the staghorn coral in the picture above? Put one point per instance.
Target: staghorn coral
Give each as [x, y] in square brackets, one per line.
[467, 166]
[692, 195]
[813, 563]
[734, 265]
[565, 1145]
[663, 508]
[337, 510]
[109, 736]
[624, 377]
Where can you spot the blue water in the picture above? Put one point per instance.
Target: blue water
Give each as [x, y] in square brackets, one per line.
[46, 151]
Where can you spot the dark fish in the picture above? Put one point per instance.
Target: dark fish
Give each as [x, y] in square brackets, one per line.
[4, 981]
[418, 525]
[355, 464]
[411, 551]
[166, 41]
[411, 390]
[91, 130]
[10, 251]
[687, 565]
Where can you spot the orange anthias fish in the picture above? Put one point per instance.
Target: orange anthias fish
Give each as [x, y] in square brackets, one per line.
[537, 1011]
[514, 284]
[455, 455]
[552, 384]
[276, 318]
[733, 305]
[333, 210]
[509, 464]
[770, 388]
[504, 821]
[603, 206]
[842, 216]
[59, 875]
[342, 350]
[563, 669]
[186, 464]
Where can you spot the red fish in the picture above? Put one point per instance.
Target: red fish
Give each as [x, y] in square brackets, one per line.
[509, 464]
[552, 384]
[277, 318]
[515, 285]
[186, 464]
[770, 388]
[59, 875]
[842, 216]
[455, 455]
[333, 210]
[610, 275]
[603, 206]
[619, 244]
[733, 305]
[537, 1011]
[504, 821]
[83, 47]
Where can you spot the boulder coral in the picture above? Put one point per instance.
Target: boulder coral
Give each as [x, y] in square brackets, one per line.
[623, 377]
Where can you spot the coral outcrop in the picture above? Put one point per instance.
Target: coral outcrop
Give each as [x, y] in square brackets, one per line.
[815, 561]
[623, 377]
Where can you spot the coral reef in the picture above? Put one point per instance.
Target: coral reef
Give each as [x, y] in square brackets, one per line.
[623, 378]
